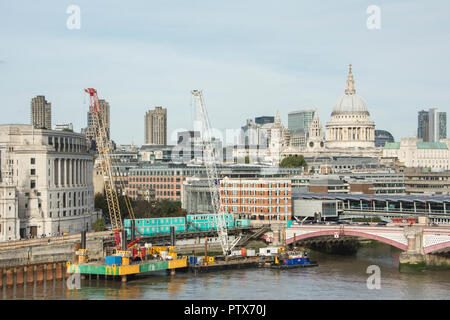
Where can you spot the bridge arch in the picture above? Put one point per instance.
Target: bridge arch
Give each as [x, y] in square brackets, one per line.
[436, 247]
[354, 233]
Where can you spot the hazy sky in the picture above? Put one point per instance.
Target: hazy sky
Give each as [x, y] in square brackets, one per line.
[251, 58]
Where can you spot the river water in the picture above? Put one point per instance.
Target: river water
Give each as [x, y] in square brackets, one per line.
[336, 277]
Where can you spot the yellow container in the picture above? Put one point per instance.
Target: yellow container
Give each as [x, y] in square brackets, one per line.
[208, 260]
[173, 255]
[124, 253]
[178, 263]
[125, 261]
[171, 248]
[123, 270]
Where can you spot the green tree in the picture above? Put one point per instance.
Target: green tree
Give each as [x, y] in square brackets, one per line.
[171, 208]
[100, 203]
[293, 162]
[143, 209]
[99, 225]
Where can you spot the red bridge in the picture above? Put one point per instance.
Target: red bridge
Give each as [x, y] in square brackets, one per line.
[415, 239]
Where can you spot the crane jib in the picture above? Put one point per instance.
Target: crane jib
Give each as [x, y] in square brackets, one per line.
[211, 170]
[104, 147]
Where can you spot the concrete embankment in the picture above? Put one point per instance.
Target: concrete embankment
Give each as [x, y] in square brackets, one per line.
[428, 261]
[48, 253]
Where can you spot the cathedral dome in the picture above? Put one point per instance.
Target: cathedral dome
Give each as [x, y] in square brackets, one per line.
[350, 102]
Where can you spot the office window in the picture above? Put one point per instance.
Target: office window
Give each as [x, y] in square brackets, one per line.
[33, 161]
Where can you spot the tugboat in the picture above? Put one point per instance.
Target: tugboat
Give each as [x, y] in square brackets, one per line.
[292, 259]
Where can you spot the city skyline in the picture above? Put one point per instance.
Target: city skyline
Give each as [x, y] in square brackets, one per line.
[251, 69]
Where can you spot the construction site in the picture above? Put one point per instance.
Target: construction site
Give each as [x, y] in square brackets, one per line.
[138, 247]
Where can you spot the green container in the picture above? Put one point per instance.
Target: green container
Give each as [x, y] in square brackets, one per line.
[155, 266]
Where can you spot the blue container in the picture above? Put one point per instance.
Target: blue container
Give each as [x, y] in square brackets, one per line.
[110, 260]
[193, 260]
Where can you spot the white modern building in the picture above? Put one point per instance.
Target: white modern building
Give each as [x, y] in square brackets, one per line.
[51, 173]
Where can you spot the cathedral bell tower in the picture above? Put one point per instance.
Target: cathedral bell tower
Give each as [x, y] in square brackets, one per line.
[315, 139]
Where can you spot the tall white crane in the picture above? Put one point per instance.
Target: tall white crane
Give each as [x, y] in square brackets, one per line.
[209, 158]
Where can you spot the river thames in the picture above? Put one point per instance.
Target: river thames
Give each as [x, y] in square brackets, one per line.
[336, 277]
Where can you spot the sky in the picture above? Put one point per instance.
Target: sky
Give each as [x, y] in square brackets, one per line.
[250, 57]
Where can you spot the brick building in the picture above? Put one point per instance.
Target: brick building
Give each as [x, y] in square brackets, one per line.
[257, 199]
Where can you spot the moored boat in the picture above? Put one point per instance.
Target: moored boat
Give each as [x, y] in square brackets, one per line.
[292, 259]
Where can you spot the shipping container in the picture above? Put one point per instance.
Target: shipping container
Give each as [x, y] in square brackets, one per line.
[236, 252]
[268, 251]
[110, 260]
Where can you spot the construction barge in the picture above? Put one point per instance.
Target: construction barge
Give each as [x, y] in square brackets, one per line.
[145, 260]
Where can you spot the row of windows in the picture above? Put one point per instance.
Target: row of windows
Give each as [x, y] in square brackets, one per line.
[255, 185]
[68, 213]
[255, 193]
[134, 193]
[67, 144]
[429, 186]
[257, 209]
[255, 201]
[432, 178]
[156, 179]
[168, 173]
[156, 186]
[157, 221]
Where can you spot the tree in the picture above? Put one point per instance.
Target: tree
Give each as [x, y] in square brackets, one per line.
[99, 225]
[171, 209]
[143, 209]
[293, 162]
[100, 203]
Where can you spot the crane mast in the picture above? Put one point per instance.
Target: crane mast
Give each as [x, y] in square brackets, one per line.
[211, 170]
[104, 147]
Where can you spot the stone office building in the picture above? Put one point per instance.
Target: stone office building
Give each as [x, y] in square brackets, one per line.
[51, 172]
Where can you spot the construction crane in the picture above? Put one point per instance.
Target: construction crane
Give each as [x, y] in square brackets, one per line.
[209, 158]
[104, 147]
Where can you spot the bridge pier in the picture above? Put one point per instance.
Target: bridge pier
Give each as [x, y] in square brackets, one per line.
[279, 234]
[413, 257]
[416, 257]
